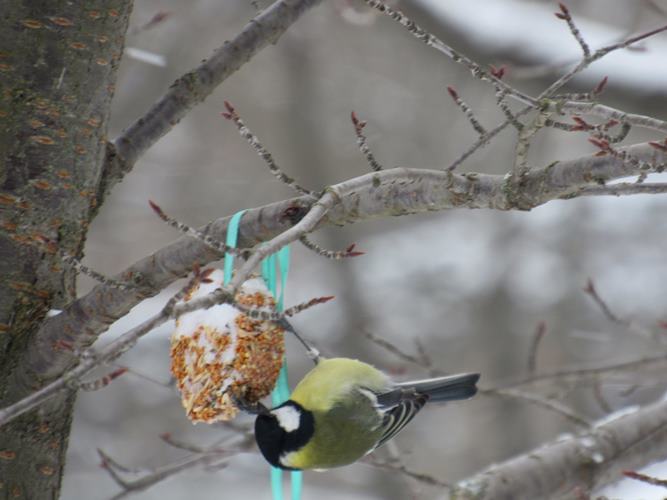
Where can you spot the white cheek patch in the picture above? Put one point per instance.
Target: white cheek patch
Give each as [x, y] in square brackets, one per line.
[288, 417]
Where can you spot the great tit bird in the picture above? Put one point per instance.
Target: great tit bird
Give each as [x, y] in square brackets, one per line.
[344, 409]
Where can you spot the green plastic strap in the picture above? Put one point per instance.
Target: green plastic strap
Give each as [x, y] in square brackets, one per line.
[281, 393]
[283, 262]
[232, 238]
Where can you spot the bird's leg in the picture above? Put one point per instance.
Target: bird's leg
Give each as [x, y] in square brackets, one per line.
[312, 353]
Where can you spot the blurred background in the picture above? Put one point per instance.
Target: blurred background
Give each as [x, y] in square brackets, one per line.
[470, 286]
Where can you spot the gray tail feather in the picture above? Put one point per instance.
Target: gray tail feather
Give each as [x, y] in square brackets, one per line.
[448, 388]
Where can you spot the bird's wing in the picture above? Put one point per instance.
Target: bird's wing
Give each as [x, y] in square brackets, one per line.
[398, 406]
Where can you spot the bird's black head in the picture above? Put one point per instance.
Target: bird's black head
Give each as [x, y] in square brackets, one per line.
[284, 429]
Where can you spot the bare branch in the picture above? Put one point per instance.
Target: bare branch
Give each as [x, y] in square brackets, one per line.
[265, 314]
[362, 143]
[193, 87]
[87, 363]
[314, 216]
[564, 14]
[102, 382]
[395, 466]
[156, 20]
[645, 478]
[396, 351]
[534, 346]
[291, 311]
[182, 445]
[263, 153]
[467, 111]
[591, 460]
[437, 44]
[546, 403]
[589, 59]
[504, 107]
[608, 113]
[591, 290]
[424, 361]
[195, 233]
[330, 254]
[582, 374]
[624, 189]
[483, 141]
[213, 457]
[599, 398]
[527, 132]
[389, 192]
[51, 246]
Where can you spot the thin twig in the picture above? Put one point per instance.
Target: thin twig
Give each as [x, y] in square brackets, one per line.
[599, 398]
[402, 469]
[467, 111]
[606, 310]
[266, 314]
[330, 254]
[51, 247]
[587, 60]
[193, 87]
[83, 269]
[644, 478]
[546, 403]
[564, 14]
[195, 233]
[425, 363]
[291, 311]
[143, 376]
[305, 225]
[483, 141]
[504, 107]
[540, 330]
[101, 382]
[581, 374]
[622, 189]
[182, 445]
[392, 348]
[362, 143]
[608, 113]
[208, 457]
[263, 153]
[606, 148]
[527, 132]
[437, 44]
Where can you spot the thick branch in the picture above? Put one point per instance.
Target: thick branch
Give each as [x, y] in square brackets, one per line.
[588, 461]
[398, 191]
[196, 85]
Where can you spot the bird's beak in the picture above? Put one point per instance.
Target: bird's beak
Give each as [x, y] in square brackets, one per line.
[253, 408]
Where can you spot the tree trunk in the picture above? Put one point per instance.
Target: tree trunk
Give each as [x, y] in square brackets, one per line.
[58, 62]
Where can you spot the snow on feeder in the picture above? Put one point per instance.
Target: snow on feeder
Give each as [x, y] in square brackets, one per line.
[220, 353]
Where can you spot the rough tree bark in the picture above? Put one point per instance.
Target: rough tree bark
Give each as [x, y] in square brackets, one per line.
[57, 71]
[58, 64]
